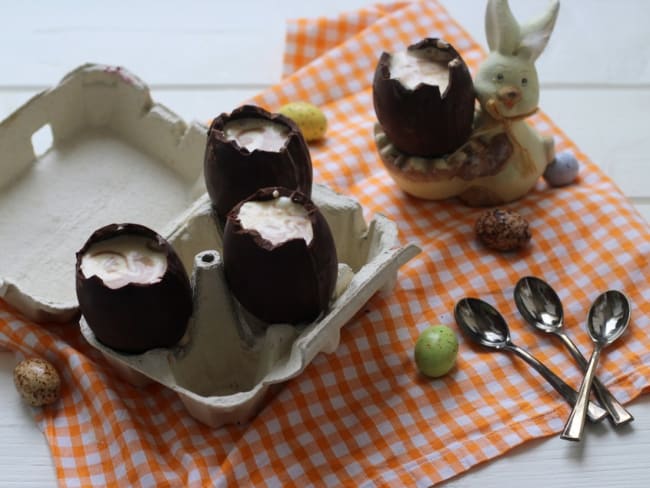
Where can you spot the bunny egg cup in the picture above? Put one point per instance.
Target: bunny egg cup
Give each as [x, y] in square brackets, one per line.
[504, 156]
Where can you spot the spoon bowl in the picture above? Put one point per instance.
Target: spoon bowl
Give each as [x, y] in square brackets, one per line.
[608, 318]
[538, 303]
[483, 324]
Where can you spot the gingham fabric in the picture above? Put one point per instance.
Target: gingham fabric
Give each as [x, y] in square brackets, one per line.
[363, 416]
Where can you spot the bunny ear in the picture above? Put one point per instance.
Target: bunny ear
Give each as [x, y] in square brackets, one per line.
[535, 34]
[501, 27]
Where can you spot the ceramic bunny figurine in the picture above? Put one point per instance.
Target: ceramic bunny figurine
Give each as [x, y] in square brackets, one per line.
[504, 156]
[508, 91]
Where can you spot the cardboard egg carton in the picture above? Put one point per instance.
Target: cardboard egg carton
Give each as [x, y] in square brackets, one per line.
[114, 156]
[110, 138]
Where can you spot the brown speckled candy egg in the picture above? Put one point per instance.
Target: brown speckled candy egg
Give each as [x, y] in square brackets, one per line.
[37, 381]
[502, 230]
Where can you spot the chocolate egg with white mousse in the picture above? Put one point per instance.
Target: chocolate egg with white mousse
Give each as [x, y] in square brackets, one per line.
[249, 149]
[279, 256]
[424, 98]
[132, 288]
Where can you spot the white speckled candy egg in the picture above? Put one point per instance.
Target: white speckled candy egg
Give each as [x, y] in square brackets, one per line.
[563, 170]
[37, 381]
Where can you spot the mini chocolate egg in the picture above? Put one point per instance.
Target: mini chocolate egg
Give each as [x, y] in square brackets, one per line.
[132, 288]
[249, 149]
[502, 230]
[37, 381]
[563, 170]
[279, 257]
[310, 119]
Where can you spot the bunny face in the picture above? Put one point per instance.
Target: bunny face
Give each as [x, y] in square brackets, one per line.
[509, 84]
[506, 84]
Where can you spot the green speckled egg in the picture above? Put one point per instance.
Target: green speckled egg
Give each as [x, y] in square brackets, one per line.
[436, 350]
[308, 117]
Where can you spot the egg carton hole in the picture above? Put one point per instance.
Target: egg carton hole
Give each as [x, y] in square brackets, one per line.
[42, 140]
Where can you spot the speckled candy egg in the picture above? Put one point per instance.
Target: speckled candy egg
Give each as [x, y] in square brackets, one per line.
[502, 230]
[563, 170]
[37, 381]
[308, 117]
[436, 350]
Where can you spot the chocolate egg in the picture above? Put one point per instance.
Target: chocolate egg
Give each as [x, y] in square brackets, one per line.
[250, 149]
[424, 98]
[132, 288]
[279, 256]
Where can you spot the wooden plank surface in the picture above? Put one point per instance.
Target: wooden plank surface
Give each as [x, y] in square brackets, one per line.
[205, 57]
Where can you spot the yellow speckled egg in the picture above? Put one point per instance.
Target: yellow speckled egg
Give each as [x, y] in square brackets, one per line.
[308, 117]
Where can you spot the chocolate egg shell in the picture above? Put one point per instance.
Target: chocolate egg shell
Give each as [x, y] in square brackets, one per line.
[291, 282]
[422, 121]
[136, 317]
[233, 173]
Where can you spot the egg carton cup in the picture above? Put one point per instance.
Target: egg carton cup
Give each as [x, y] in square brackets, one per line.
[116, 156]
[93, 150]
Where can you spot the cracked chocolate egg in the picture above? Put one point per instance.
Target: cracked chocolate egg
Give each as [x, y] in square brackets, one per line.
[250, 149]
[424, 98]
[279, 256]
[132, 288]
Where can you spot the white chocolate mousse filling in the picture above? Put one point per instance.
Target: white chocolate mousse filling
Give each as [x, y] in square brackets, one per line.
[252, 133]
[411, 68]
[124, 259]
[277, 220]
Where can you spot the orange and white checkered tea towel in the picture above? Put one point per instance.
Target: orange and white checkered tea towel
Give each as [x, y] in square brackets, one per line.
[363, 416]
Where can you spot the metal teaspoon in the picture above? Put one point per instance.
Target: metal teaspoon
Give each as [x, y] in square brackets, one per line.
[541, 307]
[608, 319]
[486, 326]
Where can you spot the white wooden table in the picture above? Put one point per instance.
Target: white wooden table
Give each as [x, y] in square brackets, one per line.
[202, 58]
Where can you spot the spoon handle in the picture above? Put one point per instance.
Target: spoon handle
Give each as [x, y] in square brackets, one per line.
[576, 422]
[594, 412]
[617, 413]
